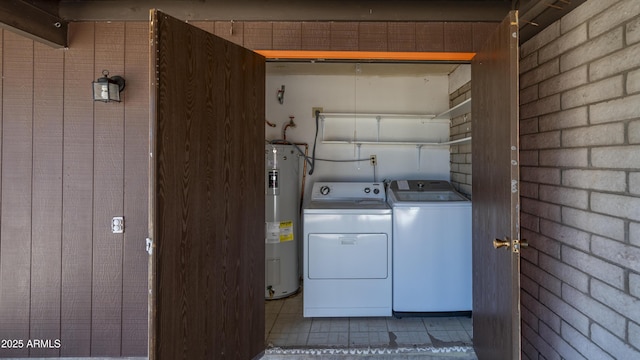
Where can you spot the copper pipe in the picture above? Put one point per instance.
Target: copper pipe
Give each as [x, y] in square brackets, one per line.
[284, 128]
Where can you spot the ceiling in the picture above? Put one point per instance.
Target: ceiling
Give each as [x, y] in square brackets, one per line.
[35, 17]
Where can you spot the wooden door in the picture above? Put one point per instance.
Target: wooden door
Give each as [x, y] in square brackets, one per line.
[496, 272]
[206, 195]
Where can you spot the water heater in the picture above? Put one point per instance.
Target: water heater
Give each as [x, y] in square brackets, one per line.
[282, 215]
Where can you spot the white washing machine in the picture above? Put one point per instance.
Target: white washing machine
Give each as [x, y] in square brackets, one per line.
[431, 247]
[347, 257]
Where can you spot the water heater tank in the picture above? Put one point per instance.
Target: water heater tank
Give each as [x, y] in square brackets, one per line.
[282, 218]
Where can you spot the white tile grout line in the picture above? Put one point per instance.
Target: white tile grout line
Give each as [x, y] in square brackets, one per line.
[368, 351]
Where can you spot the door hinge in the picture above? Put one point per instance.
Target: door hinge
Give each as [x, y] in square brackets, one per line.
[149, 246]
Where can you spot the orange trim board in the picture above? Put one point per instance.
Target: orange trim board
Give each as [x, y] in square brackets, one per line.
[364, 55]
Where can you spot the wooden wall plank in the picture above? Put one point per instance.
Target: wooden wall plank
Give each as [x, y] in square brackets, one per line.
[47, 196]
[287, 35]
[1, 138]
[481, 32]
[353, 36]
[3, 332]
[372, 36]
[136, 159]
[344, 36]
[77, 192]
[258, 35]
[108, 135]
[430, 36]
[16, 194]
[230, 30]
[316, 36]
[402, 36]
[458, 37]
[204, 25]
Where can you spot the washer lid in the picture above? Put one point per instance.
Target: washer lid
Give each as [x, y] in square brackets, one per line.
[428, 196]
[421, 185]
[423, 191]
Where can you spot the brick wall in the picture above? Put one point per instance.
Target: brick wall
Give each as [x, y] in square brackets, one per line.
[460, 128]
[580, 172]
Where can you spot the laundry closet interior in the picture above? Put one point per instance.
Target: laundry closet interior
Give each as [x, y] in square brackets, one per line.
[346, 266]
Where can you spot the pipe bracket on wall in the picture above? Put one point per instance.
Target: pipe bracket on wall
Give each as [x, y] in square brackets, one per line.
[281, 95]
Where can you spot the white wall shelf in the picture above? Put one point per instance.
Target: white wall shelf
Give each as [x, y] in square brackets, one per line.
[357, 142]
[391, 129]
[383, 129]
[378, 116]
[460, 109]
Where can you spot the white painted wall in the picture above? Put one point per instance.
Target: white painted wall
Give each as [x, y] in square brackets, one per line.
[369, 90]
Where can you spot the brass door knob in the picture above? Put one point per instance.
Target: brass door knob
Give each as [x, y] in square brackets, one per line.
[497, 243]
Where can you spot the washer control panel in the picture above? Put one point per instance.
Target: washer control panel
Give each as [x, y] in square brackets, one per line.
[348, 191]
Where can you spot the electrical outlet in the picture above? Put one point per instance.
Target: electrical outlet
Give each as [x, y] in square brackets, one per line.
[117, 224]
[313, 111]
[373, 160]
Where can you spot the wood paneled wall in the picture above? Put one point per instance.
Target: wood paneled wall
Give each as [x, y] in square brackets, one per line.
[68, 165]
[353, 36]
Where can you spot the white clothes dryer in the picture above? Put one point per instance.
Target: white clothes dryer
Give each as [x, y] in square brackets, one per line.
[347, 251]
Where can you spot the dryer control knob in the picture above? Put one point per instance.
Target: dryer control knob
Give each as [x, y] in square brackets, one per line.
[324, 190]
[376, 191]
[367, 190]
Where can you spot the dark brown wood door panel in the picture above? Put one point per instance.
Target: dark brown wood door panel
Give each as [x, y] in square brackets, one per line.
[496, 272]
[207, 213]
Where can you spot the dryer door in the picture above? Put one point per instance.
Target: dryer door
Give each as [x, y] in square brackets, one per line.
[348, 256]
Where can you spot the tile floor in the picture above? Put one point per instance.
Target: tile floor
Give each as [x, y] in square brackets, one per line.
[286, 328]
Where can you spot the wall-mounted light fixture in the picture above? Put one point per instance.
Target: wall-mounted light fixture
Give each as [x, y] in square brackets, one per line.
[107, 88]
